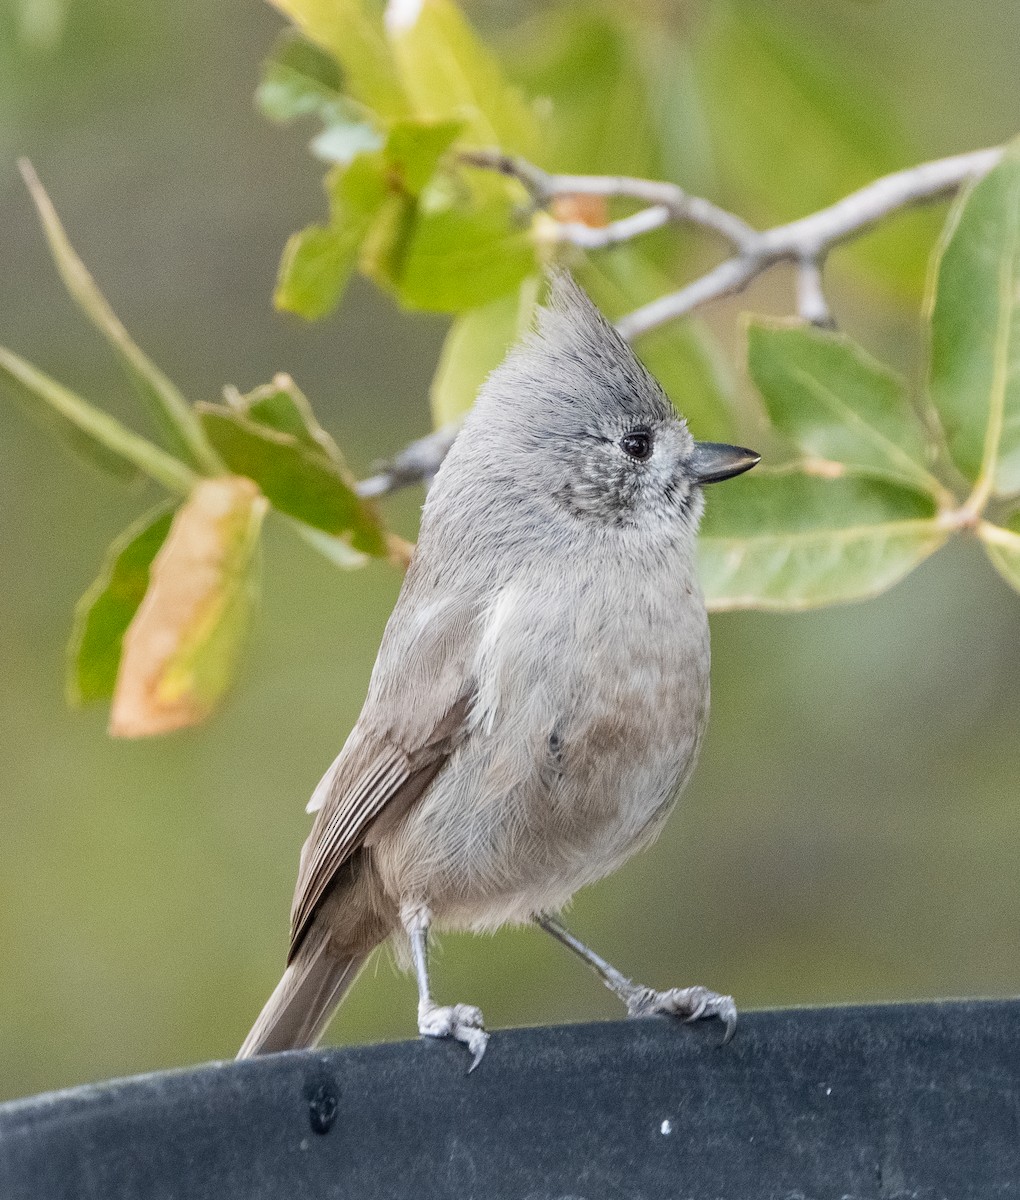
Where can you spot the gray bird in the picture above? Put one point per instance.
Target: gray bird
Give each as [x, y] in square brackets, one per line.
[541, 689]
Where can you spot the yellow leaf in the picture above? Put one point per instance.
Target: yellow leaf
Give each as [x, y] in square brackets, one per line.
[448, 72]
[354, 36]
[181, 647]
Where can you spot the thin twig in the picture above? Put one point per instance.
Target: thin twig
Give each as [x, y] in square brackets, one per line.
[598, 237]
[416, 462]
[679, 206]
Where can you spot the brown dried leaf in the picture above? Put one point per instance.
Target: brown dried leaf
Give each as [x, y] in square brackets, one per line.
[181, 648]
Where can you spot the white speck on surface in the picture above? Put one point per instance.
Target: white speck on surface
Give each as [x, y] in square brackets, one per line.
[666, 1128]
[828, 1091]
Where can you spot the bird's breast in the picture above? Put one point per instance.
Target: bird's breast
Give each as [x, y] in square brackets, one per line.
[589, 707]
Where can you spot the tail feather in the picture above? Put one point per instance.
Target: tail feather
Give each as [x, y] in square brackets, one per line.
[296, 1015]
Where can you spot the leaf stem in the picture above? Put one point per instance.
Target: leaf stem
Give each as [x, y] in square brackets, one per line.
[158, 464]
[177, 417]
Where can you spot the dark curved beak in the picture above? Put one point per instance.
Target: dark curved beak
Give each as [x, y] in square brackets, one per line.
[712, 462]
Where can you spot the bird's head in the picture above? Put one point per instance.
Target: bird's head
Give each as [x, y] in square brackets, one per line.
[581, 418]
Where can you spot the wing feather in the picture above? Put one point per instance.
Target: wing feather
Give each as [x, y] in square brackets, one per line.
[373, 782]
[415, 716]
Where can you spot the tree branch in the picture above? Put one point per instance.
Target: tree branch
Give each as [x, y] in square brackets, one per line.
[805, 242]
[809, 240]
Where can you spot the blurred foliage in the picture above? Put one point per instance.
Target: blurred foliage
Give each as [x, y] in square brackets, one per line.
[172, 656]
[809, 875]
[760, 84]
[399, 94]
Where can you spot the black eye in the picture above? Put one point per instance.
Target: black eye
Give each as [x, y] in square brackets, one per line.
[637, 443]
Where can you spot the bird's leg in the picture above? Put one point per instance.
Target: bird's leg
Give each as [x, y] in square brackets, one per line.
[689, 1004]
[462, 1022]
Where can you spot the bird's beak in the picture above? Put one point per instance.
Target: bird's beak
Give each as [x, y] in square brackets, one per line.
[714, 461]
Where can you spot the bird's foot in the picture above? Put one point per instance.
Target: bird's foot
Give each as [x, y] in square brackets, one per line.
[462, 1022]
[688, 1004]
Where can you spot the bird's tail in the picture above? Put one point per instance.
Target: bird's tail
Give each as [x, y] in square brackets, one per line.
[296, 1014]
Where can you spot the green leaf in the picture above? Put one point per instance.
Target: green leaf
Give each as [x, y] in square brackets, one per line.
[1002, 545]
[476, 344]
[357, 191]
[384, 249]
[414, 148]
[676, 109]
[795, 130]
[298, 80]
[791, 540]
[88, 430]
[104, 613]
[182, 646]
[316, 265]
[975, 332]
[318, 262]
[301, 80]
[351, 32]
[683, 355]
[838, 403]
[378, 222]
[465, 255]
[282, 406]
[174, 415]
[413, 152]
[449, 73]
[298, 481]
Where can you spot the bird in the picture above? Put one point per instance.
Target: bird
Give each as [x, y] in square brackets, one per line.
[540, 692]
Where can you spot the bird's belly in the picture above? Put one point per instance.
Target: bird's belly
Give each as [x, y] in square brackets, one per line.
[585, 725]
[508, 830]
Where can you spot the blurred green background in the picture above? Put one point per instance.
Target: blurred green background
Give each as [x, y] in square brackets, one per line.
[851, 833]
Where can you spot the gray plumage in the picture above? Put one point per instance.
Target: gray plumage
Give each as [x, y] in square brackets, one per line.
[542, 686]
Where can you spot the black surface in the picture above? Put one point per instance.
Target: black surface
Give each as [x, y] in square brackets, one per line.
[918, 1101]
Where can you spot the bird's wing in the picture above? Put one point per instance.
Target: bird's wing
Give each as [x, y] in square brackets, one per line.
[415, 716]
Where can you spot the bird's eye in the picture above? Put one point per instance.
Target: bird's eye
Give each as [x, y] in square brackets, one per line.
[637, 443]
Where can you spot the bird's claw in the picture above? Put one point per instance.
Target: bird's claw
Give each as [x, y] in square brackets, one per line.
[687, 1004]
[462, 1022]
